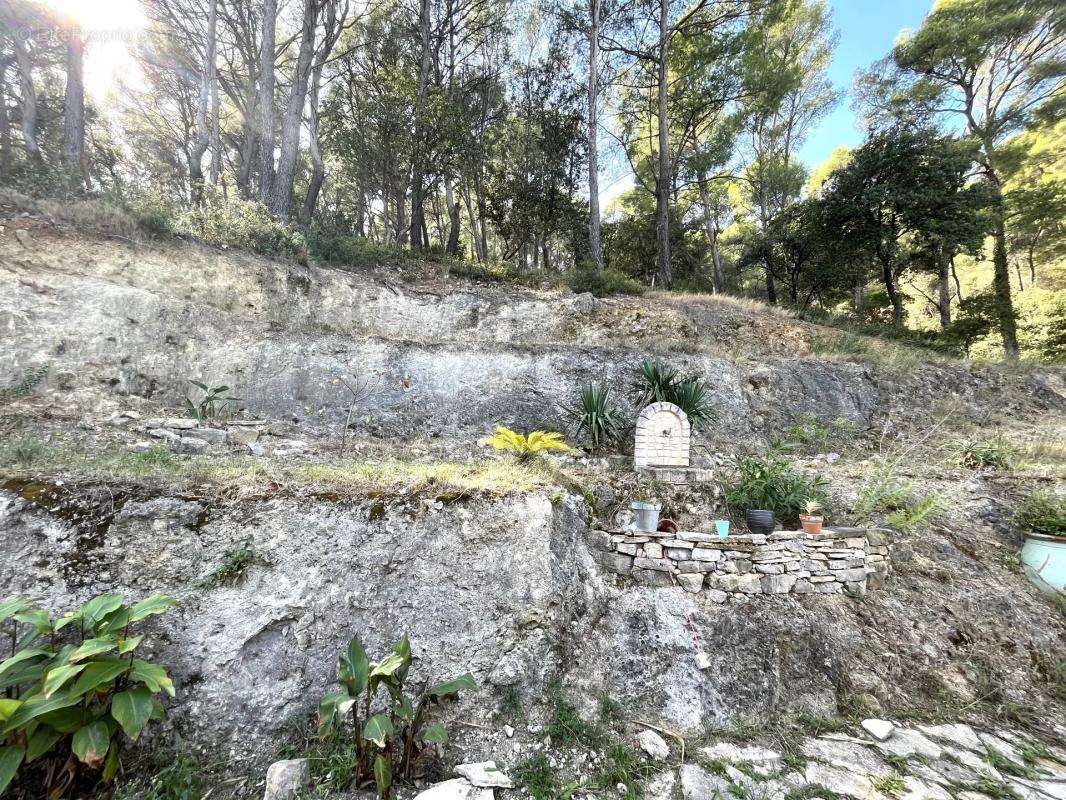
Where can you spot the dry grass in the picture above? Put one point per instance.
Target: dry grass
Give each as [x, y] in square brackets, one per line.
[246, 475]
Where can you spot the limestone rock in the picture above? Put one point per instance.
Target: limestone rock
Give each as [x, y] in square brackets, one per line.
[456, 789]
[484, 774]
[653, 744]
[242, 434]
[285, 779]
[211, 435]
[907, 742]
[699, 784]
[761, 758]
[661, 786]
[691, 582]
[880, 729]
[24, 238]
[839, 779]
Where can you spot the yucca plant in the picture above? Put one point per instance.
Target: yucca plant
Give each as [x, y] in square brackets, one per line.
[597, 417]
[387, 743]
[526, 446]
[74, 686]
[659, 384]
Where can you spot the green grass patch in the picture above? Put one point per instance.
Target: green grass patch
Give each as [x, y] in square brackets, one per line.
[891, 784]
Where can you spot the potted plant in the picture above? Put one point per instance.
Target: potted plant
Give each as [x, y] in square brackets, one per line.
[768, 489]
[811, 518]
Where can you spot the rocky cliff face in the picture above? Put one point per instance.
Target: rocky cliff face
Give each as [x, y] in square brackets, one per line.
[443, 359]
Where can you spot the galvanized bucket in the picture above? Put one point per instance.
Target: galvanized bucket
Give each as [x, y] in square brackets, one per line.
[645, 516]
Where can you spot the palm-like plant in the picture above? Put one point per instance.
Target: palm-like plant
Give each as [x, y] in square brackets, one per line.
[597, 417]
[526, 446]
[659, 384]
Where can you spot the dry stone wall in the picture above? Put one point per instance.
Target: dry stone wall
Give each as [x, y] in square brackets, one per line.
[842, 560]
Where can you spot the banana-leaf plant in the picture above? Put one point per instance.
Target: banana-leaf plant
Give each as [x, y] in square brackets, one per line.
[389, 742]
[73, 687]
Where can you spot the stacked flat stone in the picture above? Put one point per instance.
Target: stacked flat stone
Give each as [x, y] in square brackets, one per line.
[835, 561]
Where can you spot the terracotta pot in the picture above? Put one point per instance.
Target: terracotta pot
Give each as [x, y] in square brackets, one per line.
[667, 526]
[812, 525]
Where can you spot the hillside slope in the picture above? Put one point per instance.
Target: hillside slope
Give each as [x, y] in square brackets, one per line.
[409, 525]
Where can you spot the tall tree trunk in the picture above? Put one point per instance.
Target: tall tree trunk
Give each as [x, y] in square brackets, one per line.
[662, 186]
[29, 98]
[858, 294]
[74, 113]
[266, 100]
[5, 125]
[475, 239]
[711, 227]
[451, 248]
[418, 214]
[1008, 325]
[285, 177]
[889, 278]
[203, 126]
[216, 135]
[318, 170]
[595, 246]
[944, 288]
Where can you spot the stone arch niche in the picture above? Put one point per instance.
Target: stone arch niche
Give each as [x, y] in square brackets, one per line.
[663, 437]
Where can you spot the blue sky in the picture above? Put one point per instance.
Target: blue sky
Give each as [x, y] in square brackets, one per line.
[868, 29]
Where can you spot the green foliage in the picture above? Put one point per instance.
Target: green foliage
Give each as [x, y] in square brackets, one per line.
[817, 725]
[536, 775]
[231, 570]
[622, 767]
[810, 433]
[662, 384]
[340, 247]
[986, 453]
[215, 402]
[243, 225]
[598, 417]
[567, 726]
[1007, 766]
[74, 685]
[769, 482]
[387, 745]
[180, 779]
[611, 282]
[1043, 511]
[885, 491]
[890, 784]
[23, 449]
[527, 446]
[155, 457]
[30, 380]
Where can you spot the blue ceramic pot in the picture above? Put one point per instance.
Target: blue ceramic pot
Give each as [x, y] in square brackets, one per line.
[722, 526]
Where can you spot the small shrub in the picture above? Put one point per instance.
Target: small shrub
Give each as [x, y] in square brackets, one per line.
[74, 687]
[597, 417]
[915, 516]
[155, 457]
[770, 482]
[241, 224]
[986, 453]
[810, 433]
[343, 248]
[30, 380]
[611, 282]
[527, 446]
[660, 384]
[231, 570]
[25, 449]
[1043, 511]
[387, 745]
[215, 402]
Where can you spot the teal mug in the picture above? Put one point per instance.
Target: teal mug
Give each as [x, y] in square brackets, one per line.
[722, 526]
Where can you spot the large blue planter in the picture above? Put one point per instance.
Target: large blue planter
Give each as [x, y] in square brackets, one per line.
[1044, 562]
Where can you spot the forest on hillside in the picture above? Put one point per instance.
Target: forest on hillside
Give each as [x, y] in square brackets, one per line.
[478, 131]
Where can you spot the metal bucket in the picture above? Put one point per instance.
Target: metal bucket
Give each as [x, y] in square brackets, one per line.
[1044, 562]
[645, 516]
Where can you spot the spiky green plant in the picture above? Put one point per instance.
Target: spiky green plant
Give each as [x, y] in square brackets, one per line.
[661, 384]
[597, 417]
